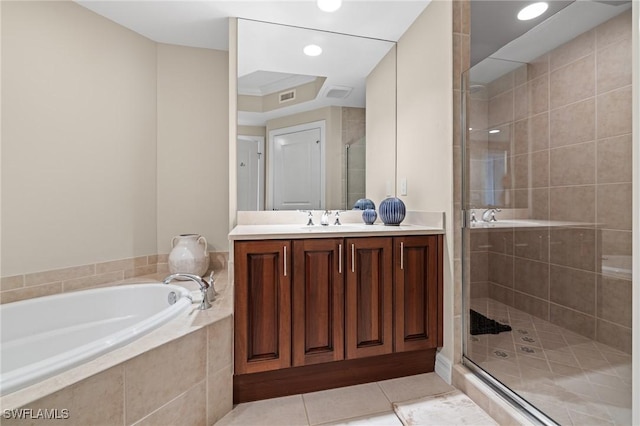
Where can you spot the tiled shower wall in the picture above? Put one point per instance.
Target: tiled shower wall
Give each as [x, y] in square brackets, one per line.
[353, 134]
[27, 286]
[566, 120]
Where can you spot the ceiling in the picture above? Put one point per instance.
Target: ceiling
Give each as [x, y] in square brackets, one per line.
[204, 23]
[499, 42]
[509, 52]
[494, 24]
[271, 58]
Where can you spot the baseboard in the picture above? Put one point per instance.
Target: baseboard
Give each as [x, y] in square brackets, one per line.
[443, 367]
[329, 375]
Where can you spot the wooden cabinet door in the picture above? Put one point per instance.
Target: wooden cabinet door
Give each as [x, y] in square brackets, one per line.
[262, 306]
[318, 301]
[368, 300]
[418, 292]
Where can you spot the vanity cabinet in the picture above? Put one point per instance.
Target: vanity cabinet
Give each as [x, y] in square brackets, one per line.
[262, 306]
[417, 292]
[318, 301]
[369, 297]
[317, 313]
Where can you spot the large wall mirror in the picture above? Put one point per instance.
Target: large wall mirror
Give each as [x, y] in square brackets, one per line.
[302, 116]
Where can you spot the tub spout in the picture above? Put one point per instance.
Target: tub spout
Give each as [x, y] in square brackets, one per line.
[204, 286]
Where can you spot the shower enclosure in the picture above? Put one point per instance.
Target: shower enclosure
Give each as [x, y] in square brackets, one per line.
[547, 284]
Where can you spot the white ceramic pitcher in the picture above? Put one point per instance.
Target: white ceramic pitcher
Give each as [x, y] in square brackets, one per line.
[189, 254]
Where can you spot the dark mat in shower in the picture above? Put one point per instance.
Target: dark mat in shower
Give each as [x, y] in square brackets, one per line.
[483, 325]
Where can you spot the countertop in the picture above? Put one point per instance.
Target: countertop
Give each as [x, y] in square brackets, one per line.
[270, 226]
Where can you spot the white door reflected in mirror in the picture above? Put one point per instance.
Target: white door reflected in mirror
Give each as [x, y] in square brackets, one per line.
[296, 177]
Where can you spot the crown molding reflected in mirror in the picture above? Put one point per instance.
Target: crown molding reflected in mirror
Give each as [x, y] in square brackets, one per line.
[304, 122]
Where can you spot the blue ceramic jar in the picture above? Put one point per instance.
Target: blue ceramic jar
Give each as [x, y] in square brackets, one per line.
[369, 216]
[392, 211]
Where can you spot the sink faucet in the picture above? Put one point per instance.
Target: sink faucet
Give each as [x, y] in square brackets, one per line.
[489, 215]
[204, 286]
[324, 221]
[337, 222]
[309, 216]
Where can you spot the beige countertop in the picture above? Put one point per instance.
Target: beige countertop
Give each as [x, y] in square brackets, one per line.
[272, 232]
[291, 225]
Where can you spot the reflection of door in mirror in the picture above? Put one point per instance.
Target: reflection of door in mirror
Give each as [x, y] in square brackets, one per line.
[296, 168]
[250, 172]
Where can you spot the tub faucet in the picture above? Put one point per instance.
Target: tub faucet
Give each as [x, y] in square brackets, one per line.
[204, 286]
[324, 221]
[489, 215]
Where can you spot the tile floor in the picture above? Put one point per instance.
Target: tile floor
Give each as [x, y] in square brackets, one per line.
[369, 404]
[574, 380]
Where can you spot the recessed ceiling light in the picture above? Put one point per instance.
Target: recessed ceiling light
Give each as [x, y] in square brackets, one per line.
[329, 5]
[312, 50]
[494, 131]
[532, 11]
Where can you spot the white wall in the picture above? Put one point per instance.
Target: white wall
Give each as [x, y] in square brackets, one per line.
[193, 149]
[425, 130]
[78, 138]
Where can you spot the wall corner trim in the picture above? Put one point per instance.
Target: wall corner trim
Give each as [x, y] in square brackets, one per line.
[443, 367]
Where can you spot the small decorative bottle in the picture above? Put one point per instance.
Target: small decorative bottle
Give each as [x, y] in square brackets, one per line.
[369, 216]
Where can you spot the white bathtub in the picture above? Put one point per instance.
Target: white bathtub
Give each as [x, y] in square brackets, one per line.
[44, 336]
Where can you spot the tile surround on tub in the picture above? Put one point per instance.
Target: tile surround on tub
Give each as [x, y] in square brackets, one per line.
[145, 381]
[46, 283]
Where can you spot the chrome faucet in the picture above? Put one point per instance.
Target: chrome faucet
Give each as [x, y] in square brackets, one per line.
[310, 216]
[489, 215]
[324, 221]
[204, 286]
[337, 222]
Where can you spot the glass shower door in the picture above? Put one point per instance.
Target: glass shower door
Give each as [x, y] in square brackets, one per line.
[546, 265]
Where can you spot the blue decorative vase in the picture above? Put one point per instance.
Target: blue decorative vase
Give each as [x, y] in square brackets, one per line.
[369, 216]
[392, 211]
[363, 204]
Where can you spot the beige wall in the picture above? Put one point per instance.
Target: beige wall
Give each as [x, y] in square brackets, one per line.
[381, 129]
[425, 116]
[98, 125]
[252, 131]
[193, 151]
[78, 138]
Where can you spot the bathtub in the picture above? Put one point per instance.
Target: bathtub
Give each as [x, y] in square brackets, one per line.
[45, 336]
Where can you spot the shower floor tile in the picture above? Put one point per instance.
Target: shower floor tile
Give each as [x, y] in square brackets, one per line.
[571, 378]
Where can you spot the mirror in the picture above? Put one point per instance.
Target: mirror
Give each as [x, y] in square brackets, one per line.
[302, 119]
